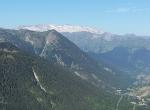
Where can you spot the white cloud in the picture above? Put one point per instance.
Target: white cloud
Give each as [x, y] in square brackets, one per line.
[127, 9]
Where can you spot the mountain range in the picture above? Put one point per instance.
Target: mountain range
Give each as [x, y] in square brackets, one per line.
[76, 69]
[30, 81]
[54, 47]
[106, 47]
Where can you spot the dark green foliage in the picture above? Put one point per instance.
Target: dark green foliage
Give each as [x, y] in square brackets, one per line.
[54, 47]
[20, 90]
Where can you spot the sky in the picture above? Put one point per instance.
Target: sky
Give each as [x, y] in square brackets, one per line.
[115, 16]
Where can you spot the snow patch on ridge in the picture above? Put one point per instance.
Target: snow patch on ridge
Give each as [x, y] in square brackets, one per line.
[107, 69]
[80, 75]
[61, 28]
[96, 78]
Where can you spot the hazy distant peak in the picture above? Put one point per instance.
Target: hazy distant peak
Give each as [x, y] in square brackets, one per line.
[61, 28]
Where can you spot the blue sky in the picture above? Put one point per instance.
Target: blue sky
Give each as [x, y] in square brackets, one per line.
[116, 16]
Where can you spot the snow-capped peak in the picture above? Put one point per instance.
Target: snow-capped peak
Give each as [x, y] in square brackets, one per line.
[61, 28]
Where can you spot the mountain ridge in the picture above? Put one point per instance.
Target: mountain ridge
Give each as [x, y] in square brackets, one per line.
[61, 28]
[56, 48]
